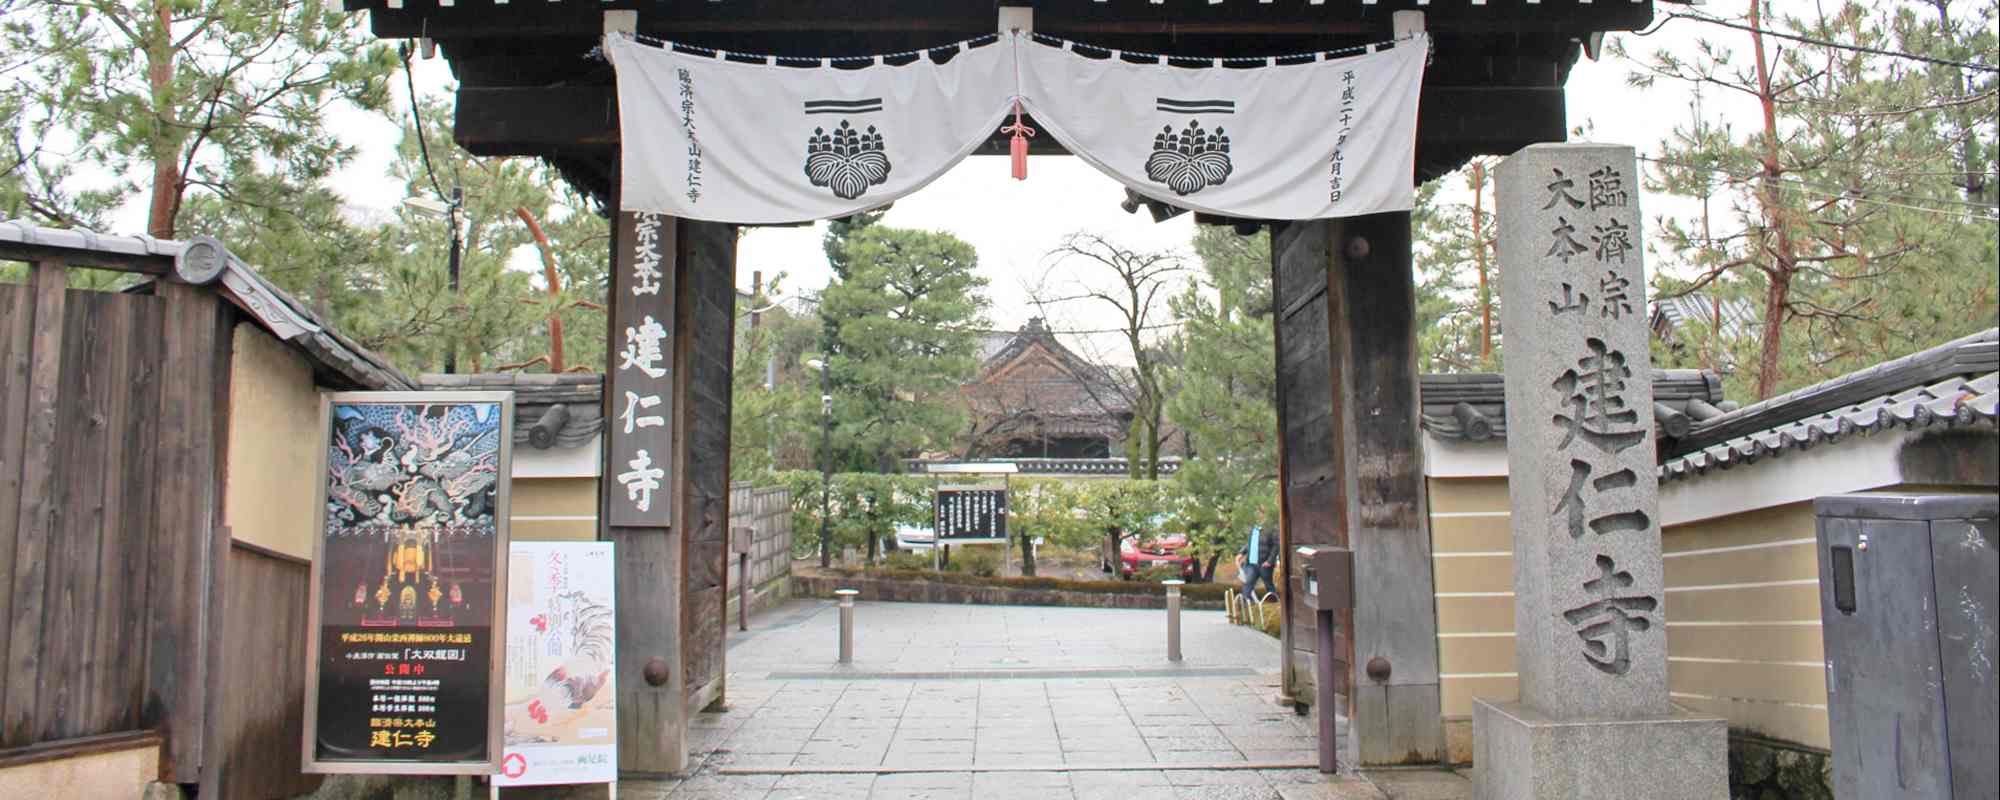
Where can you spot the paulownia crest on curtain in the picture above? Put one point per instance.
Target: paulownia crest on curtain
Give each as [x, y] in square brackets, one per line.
[1192, 159]
[846, 161]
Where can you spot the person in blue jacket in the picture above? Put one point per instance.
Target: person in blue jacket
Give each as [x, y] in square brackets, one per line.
[1257, 561]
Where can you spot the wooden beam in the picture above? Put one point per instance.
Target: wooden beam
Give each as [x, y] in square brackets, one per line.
[959, 18]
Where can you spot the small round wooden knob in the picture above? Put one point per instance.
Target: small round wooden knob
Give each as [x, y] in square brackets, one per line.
[1378, 669]
[1358, 247]
[657, 672]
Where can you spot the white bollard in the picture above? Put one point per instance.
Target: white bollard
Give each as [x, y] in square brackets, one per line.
[1174, 619]
[846, 598]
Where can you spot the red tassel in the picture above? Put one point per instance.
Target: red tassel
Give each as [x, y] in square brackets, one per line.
[1018, 147]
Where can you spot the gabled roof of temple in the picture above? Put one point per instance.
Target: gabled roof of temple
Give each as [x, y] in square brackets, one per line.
[1953, 385]
[1034, 382]
[330, 351]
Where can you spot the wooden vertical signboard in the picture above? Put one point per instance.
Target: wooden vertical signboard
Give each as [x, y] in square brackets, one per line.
[406, 619]
[642, 381]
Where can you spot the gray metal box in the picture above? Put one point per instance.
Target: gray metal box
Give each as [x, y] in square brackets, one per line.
[1909, 589]
[1329, 577]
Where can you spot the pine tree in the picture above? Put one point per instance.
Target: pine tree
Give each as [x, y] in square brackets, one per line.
[1226, 395]
[1853, 210]
[904, 316]
[223, 97]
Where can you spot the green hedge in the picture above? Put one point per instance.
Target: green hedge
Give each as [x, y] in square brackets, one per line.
[1202, 591]
[1073, 514]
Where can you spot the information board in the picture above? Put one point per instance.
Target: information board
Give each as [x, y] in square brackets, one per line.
[561, 710]
[971, 513]
[402, 656]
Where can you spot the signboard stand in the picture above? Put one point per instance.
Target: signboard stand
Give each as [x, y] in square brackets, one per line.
[970, 513]
[404, 662]
[561, 695]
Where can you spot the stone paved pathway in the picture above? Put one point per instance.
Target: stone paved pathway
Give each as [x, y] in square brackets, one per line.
[998, 702]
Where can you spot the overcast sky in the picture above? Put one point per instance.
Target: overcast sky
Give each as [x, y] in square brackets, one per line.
[1013, 224]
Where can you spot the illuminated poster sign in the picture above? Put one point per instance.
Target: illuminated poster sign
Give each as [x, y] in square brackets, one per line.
[403, 657]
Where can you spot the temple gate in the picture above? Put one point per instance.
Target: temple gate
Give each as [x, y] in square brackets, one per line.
[1351, 462]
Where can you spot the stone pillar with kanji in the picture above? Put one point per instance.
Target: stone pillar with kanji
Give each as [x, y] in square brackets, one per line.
[1593, 718]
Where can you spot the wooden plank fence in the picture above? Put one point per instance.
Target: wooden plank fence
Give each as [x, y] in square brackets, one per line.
[126, 615]
[107, 488]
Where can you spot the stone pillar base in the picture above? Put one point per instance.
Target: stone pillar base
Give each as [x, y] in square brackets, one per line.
[1519, 754]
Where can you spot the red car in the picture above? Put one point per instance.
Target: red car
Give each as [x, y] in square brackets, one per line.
[1164, 550]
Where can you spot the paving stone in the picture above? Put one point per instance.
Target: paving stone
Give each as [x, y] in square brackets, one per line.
[982, 781]
[1198, 756]
[1100, 758]
[1026, 721]
[914, 744]
[1280, 777]
[1282, 756]
[754, 759]
[1167, 743]
[923, 793]
[1132, 783]
[1215, 777]
[924, 780]
[742, 784]
[897, 758]
[1332, 790]
[1422, 784]
[826, 782]
[1245, 792]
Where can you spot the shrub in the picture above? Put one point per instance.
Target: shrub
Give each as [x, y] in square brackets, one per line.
[907, 560]
[981, 563]
[1156, 574]
[1271, 613]
[955, 574]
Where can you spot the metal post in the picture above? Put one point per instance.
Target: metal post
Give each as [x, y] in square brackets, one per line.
[846, 597]
[1325, 688]
[1174, 619]
[825, 466]
[451, 269]
[743, 591]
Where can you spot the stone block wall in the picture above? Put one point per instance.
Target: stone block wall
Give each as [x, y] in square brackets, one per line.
[1472, 557]
[1743, 640]
[768, 511]
[1743, 622]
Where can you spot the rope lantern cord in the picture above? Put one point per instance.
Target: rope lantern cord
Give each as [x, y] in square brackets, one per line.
[979, 41]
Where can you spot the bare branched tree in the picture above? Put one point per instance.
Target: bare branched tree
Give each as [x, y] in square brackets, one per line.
[1145, 279]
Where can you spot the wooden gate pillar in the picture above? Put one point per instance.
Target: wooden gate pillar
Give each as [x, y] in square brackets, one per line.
[1351, 471]
[636, 490]
[664, 491]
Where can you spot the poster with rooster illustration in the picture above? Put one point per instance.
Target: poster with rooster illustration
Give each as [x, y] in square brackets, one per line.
[404, 669]
[560, 715]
